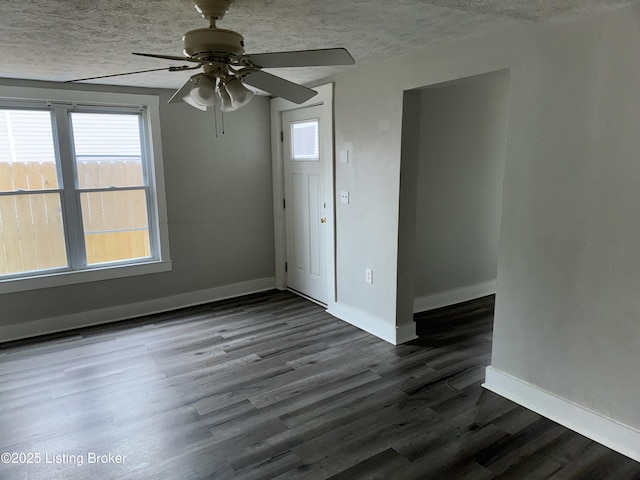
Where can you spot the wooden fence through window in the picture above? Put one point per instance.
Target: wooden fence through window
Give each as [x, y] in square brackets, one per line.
[31, 225]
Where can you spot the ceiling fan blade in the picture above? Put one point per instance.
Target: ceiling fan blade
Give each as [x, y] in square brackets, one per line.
[279, 87]
[171, 69]
[303, 58]
[167, 57]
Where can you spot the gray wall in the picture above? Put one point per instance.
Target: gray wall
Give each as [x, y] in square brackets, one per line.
[219, 199]
[568, 269]
[219, 195]
[459, 197]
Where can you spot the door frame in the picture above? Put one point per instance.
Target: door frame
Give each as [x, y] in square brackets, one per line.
[323, 99]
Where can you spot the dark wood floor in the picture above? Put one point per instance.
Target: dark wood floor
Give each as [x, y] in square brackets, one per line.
[272, 387]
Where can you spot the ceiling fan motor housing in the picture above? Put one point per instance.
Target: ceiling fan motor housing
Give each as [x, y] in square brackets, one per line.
[206, 42]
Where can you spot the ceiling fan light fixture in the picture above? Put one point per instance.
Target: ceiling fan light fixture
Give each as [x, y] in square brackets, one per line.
[187, 99]
[225, 99]
[240, 95]
[203, 91]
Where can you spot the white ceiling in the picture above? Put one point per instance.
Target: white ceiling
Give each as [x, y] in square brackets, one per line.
[60, 40]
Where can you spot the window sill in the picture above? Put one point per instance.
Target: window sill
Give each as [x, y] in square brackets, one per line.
[82, 276]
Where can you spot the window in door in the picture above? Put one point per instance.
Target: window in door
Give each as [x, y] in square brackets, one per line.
[305, 141]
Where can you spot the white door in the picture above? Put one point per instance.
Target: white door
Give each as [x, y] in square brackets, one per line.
[305, 205]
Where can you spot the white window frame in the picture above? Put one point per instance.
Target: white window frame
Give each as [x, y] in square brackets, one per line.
[148, 106]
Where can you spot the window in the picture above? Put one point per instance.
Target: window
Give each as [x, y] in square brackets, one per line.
[31, 225]
[112, 184]
[304, 140]
[77, 191]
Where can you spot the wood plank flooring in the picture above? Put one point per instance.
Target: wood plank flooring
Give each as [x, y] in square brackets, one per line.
[271, 387]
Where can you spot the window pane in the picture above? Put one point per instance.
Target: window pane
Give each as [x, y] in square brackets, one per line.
[108, 150]
[304, 140]
[115, 225]
[27, 152]
[31, 233]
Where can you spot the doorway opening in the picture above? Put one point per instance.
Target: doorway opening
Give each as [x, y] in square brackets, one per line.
[453, 157]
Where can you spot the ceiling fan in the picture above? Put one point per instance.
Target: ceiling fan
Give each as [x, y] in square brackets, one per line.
[226, 68]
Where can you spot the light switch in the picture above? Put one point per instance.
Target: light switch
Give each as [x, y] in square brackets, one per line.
[344, 156]
[368, 275]
[344, 197]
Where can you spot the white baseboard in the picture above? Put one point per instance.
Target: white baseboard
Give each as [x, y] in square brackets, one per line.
[131, 310]
[451, 297]
[374, 325]
[610, 433]
[405, 333]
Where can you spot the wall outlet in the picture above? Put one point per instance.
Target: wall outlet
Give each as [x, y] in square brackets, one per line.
[344, 197]
[368, 275]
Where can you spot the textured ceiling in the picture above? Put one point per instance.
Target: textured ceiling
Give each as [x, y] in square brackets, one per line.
[65, 39]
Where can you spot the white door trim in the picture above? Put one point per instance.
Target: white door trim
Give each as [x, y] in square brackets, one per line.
[324, 99]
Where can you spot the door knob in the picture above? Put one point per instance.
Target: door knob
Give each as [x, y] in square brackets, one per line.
[323, 220]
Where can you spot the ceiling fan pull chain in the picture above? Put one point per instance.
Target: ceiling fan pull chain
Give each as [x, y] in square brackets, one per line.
[215, 121]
